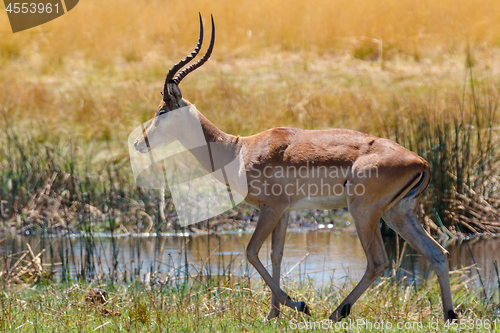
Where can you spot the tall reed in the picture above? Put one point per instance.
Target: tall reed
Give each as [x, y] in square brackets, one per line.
[463, 151]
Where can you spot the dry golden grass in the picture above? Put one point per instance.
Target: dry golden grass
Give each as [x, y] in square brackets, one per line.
[99, 68]
[133, 29]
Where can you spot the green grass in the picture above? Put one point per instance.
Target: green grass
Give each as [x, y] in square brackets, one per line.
[229, 304]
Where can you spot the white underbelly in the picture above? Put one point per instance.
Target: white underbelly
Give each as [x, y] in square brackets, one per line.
[326, 202]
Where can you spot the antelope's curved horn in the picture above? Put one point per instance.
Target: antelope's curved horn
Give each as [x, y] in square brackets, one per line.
[186, 60]
[177, 79]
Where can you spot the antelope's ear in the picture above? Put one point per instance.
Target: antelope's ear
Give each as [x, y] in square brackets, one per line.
[162, 104]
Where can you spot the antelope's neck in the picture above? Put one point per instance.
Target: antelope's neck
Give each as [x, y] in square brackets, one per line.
[213, 134]
[221, 148]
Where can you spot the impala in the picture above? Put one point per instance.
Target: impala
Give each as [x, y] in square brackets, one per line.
[374, 177]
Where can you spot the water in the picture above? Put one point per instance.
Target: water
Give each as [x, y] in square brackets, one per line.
[324, 256]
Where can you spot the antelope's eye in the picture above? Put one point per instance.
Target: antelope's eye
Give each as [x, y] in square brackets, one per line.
[162, 111]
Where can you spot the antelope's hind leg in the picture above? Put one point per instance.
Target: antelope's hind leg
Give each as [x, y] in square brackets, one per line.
[402, 218]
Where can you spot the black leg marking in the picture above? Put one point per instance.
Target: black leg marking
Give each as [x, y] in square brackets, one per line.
[303, 308]
[346, 309]
[452, 315]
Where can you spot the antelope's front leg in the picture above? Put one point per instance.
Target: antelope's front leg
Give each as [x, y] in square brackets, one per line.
[277, 245]
[268, 219]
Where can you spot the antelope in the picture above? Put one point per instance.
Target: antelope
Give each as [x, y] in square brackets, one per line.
[392, 192]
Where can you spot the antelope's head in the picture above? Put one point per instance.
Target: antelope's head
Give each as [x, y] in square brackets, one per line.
[161, 128]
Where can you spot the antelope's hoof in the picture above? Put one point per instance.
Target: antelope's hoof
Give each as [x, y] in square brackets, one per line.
[273, 313]
[346, 309]
[451, 316]
[303, 308]
[340, 314]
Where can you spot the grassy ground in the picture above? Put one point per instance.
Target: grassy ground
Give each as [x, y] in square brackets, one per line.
[231, 304]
